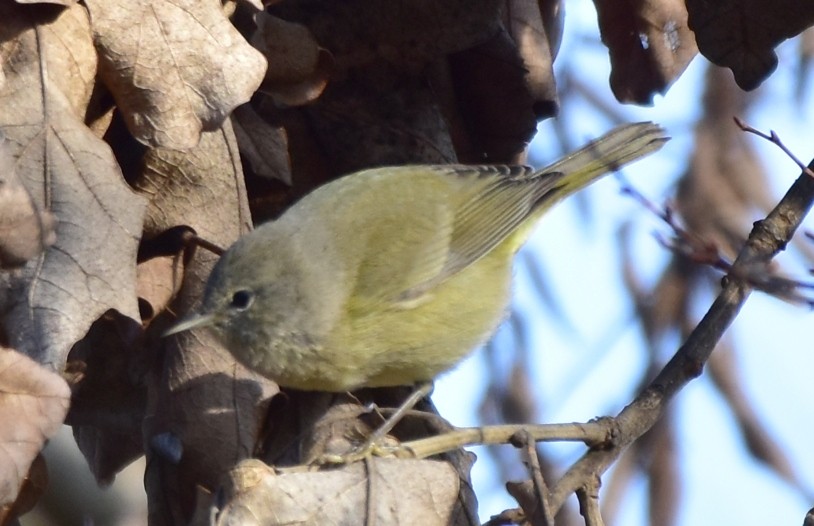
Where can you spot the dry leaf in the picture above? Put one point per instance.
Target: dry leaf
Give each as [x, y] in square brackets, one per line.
[650, 45]
[553, 13]
[381, 116]
[805, 50]
[382, 490]
[55, 2]
[298, 67]
[69, 172]
[201, 187]
[360, 32]
[528, 29]
[264, 146]
[201, 401]
[742, 34]
[499, 116]
[175, 67]
[109, 397]
[159, 280]
[35, 400]
[31, 491]
[308, 160]
[617, 482]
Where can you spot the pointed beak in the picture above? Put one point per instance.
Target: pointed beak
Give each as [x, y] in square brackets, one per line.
[191, 322]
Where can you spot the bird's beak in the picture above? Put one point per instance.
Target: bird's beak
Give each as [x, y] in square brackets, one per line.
[190, 322]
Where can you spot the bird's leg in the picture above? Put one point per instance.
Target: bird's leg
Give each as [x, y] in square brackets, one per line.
[410, 402]
[371, 445]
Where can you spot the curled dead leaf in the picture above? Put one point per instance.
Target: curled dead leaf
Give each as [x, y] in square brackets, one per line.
[109, 395]
[263, 145]
[382, 116]
[159, 280]
[298, 67]
[394, 491]
[175, 67]
[36, 400]
[726, 188]
[499, 117]
[528, 30]
[650, 45]
[55, 2]
[360, 32]
[742, 34]
[34, 485]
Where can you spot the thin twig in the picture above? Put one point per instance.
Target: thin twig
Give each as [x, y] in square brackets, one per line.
[593, 434]
[775, 139]
[523, 440]
[196, 240]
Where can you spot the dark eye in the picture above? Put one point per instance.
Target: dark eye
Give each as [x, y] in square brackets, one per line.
[242, 299]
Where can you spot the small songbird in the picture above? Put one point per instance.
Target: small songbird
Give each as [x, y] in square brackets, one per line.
[390, 276]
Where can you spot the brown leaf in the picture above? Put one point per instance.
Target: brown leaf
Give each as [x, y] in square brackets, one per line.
[382, 490]
[380, 116]
[662, 307]
[359, 32]
[159, 280]
[616, 483]
[741, 34]
[55, 2]
[650, 45]
[201, 187]
[528, 30]
[209, 408]
[32, 489]
[35, 400]
[175, 67]
[553, 13]
[298, 67]
[264, 146]
[72, 174]
[309, 162]
[500, 117]
[109, 398]
[24, 231]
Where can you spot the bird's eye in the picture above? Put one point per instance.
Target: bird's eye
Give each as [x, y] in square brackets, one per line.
[242, 299]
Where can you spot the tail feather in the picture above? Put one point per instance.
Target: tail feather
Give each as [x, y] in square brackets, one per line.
[608, 153]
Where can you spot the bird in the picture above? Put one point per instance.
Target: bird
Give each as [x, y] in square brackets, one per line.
[392, 275]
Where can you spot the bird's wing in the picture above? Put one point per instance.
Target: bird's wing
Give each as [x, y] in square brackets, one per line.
[498, 201]
[482, 206]
[438, 220]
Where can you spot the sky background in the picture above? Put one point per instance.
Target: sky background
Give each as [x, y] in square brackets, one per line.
[588, 366]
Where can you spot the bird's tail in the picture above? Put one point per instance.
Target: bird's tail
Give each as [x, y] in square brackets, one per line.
[608, 153]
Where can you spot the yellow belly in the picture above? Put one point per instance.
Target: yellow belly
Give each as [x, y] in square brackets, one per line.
[403, 345]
